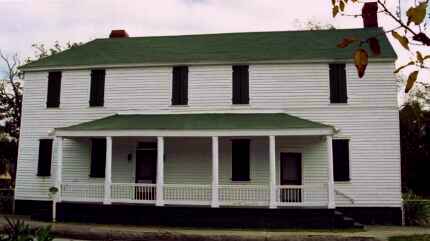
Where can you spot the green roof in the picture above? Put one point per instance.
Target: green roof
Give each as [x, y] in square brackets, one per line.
[224, 47]
[196, 122]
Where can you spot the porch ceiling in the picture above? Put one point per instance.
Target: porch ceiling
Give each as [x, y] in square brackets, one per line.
[198, 123]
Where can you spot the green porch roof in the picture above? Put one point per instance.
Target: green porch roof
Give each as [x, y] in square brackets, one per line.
[196, 122]
[224, 47]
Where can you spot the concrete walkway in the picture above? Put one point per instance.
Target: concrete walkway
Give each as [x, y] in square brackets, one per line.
[79, 231]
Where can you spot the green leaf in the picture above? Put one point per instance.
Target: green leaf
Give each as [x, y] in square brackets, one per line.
[403, 66]
[374, 46]
[335, 10]
[402, 39]
[346, 41]
[361, 59]
[411, 81]
[342, 5]
[420, 57]
[417, 14]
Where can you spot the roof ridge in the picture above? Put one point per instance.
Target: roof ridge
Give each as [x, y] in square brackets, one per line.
[238, 33]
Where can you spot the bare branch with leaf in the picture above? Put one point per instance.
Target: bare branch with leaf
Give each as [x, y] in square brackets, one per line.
[411, 33]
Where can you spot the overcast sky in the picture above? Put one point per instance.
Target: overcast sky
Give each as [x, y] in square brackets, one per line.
[24, 22]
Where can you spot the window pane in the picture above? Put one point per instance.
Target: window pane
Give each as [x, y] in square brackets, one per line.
[180, 85]
[240, 84]
[338, 89]
[45, 156]
[240, 160]
[54, 89]
[98, 157]
[341, 160]
[97, 87]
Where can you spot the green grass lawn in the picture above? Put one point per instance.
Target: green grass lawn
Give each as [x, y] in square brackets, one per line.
[425, 237]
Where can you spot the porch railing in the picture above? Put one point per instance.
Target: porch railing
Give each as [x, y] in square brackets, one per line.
[199, 194]
[244, 195]
[192, 194]
[133, 192]
[82, 192]
[302, 195]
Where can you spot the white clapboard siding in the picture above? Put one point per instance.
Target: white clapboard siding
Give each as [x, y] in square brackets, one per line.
[188, 161]
[210, 86]
[307, 85]
[151, 88]
[370, 120]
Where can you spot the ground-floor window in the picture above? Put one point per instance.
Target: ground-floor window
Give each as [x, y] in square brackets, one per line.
[98, 157]
[45, 156]
[240, 160]
[341, 159]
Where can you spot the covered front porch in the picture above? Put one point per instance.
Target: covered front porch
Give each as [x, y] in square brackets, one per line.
[191, 159]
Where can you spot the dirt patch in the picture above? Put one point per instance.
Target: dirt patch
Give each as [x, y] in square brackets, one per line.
[172, 236]
[425, 237]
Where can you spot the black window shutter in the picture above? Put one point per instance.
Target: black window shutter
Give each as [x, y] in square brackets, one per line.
[54, 89]
[180, 85]
[338, 89]
[240, 160]
[97, 91]
[98, 157]
[185, 85]
[341, 160]
[244, 82]
[45, 157]
[236, 85]
[241, 84]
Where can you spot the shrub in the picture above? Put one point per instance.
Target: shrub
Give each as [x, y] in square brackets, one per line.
[6, 200]
[416, 210]
[18, 230]
[44, 234]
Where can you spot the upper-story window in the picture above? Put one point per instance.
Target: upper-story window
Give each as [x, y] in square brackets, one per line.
[241, 84]
[338, 89]
[54, 89]
[180, 85]
[97, 91]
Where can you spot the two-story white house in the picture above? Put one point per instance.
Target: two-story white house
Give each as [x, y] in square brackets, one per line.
[237, 129]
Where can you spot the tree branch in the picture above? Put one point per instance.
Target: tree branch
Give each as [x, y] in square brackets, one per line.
[389, 13]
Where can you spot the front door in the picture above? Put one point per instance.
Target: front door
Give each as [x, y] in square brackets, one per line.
[291, 174]
[146, 169]
[146, 163]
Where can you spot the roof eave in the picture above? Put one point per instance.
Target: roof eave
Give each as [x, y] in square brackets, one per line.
[110, 66]
[322, 131]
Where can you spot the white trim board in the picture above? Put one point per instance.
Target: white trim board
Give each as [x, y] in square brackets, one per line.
[109, 66]
[195, 133]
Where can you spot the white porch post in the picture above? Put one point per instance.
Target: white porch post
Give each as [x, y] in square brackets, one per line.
[330, 189]
[272, 157]
[215, 170]
[108, 171]
[59, 172]
[160, 171]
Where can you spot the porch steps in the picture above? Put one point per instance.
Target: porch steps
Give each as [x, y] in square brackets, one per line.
[342, 221]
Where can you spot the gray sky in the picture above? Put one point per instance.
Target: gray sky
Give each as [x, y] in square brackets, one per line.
[24, 22]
